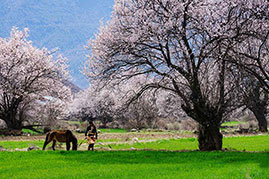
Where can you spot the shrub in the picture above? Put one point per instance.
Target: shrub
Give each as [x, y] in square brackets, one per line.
[160, 124]
[248, 117]
[189, 125]
[253, 125]
[114, 125]
[174, 126]
[243, 126]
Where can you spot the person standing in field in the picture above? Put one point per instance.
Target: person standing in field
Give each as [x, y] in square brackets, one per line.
[91, 135]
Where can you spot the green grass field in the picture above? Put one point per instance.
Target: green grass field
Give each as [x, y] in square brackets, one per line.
[29, 131]
[233, 123]
[113, 130]
[21, 144]
[141, 163]
[242, 143]
[133, 164]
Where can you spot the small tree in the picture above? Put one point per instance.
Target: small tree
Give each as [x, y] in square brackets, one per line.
[142, 113]
[96, 104]
[256, 100]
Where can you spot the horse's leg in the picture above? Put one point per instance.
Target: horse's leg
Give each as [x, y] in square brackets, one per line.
[53, 144]
[45, 144]
[47, 141]
[92, 147]
[67, 145]
[74, 143]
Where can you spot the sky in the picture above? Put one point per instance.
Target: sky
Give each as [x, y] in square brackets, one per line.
[66, 25]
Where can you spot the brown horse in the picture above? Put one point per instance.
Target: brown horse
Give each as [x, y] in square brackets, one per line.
[61, 136]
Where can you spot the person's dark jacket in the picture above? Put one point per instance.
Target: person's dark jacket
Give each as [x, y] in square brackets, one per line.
[91, 129]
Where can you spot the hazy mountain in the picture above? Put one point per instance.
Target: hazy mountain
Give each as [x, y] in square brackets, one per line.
[66, 24]
[74, 88]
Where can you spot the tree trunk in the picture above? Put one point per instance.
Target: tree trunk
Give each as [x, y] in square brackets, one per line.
[14, 127]
[209, 137]
[9, 115]
[257, 102]
[261, 120]
[13, 124]
[11, 121]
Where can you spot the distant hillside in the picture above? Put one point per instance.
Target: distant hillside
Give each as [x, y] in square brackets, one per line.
[65, 24]
[74, 88]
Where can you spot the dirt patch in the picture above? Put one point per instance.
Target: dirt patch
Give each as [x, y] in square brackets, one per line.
[22, 138]
[126, 136]
[122, 136]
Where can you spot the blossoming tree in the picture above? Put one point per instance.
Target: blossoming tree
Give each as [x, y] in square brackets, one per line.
[184, 45]
[27, 74]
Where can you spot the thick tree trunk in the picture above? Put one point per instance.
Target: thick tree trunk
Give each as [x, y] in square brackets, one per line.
[208, 116]
[11, 121]
[209, 137]
[14, 127]
[9, 115]
[13, 124]
[262, 122]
